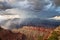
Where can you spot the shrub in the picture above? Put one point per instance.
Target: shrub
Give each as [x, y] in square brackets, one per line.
[54, 36]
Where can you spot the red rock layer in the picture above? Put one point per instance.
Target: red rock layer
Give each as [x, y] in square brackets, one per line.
[9, 35]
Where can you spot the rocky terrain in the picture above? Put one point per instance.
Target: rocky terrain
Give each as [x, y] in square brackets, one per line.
[9, 35]
[55, 35]
[30, 33]
[35, 33]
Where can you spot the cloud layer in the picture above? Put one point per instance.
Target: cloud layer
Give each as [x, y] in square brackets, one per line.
[30, 8]
[25, 9]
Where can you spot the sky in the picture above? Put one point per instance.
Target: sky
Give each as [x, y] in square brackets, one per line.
[27, 8]
[43, 9]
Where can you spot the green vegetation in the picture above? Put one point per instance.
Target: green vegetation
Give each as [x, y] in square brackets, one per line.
[54, 36]
[40, 37]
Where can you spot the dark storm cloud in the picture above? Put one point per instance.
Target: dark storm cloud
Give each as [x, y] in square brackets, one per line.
[57, 2]
[29, 4]
[5, 5]
[32, 4]
[29, 7]
[42, 9]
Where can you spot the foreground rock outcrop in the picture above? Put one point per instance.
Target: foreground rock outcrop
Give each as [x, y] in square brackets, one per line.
[9, 35]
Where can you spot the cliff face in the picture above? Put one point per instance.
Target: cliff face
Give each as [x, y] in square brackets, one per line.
[27, 33]
[34, 33]
[9, 35]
